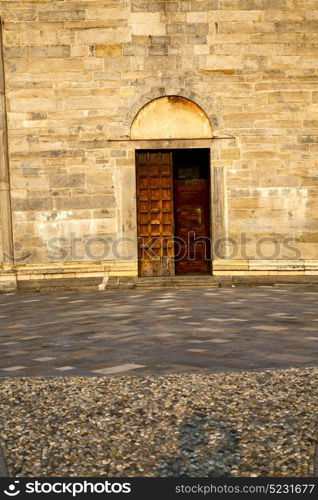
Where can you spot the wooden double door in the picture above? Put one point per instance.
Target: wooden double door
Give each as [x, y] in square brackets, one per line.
[173, 212]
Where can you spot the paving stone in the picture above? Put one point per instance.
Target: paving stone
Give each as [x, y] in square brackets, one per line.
[291, 358]
[45, 358]
[30, 338]
[218, 341]
[12, 368]
[196, 350]
[118, 369]
[64, 368]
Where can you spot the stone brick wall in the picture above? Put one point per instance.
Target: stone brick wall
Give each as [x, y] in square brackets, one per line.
[77, 73]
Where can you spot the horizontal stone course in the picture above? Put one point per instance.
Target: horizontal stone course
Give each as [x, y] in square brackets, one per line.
[61, 15]
[32, 204]
[84, 202]
[70, 180]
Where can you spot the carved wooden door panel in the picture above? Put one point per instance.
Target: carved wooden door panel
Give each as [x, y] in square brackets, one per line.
[155, 213]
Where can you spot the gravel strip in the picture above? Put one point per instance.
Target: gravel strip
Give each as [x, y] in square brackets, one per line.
[316, 461]
[229, 424]
[3, 469]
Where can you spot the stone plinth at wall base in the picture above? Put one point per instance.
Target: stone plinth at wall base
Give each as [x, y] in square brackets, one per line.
[265, 267]
[69, 276]
[73, 277]
[100, 283]
[272, 280]
[56, 285]
[225, 281]
[121, 282]
[99, 276]
[8, 282]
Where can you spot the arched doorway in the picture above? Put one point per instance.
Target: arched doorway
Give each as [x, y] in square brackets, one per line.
[171, 117]
[173, 190]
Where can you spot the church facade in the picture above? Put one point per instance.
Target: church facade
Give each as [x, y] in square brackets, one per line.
[150, 139]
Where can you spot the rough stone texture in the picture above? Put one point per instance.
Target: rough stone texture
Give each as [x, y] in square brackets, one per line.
[76, 75]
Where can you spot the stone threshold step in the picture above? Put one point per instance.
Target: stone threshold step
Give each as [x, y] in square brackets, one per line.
[176, 285]
[226, 281]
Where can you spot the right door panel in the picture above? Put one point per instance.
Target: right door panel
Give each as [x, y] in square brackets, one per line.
[192, 231]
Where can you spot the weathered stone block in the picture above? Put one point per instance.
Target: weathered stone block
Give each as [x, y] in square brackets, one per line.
[84, 202]
[223, 62]
[252, 4]
[37, 103]
[100, 36]
[32, 204]
[109, 50]
[29, 182]
[69, 180]
[202, 29]
[184, 29]
[49, 51]
[118, 153]
[238, 16]
[196, 40]
[173, 6]
[145, 18]
[62, 15]
[159, 50]
[204, 5]
[58, 65]
[185, 5]
[151, 29]
[99, 182]
[197, 17]
[231, 154]
[156, 6]
[16, 51]
[16, 65]
[92, 102]
[137, 7]
[109, 13]
[160, 40]
[315, 97]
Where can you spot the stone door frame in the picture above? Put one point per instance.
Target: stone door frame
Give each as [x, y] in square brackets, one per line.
[218, 196]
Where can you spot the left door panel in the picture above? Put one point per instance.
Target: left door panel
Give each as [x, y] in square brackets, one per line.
[155, 213]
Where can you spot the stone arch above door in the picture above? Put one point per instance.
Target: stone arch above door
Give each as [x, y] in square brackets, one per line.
[171, 117]
[209, 105]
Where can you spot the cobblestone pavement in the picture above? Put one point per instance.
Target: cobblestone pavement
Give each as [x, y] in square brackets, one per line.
[161, 331]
